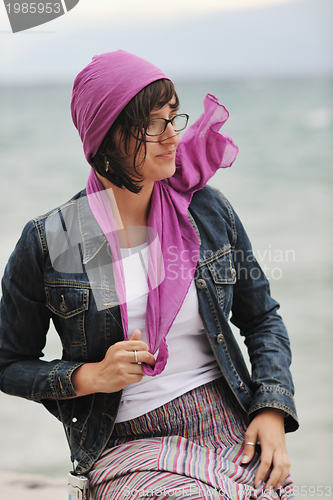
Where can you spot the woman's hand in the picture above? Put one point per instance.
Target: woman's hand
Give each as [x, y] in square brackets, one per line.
[117, 370]
[267, 429]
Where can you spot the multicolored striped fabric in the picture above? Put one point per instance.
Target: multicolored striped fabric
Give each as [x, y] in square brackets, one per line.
[189, 448]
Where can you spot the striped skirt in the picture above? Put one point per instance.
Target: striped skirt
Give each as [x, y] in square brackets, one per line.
[189, 448]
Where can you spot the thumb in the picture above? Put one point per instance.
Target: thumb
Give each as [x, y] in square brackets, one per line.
[248, 452]
[136, 335]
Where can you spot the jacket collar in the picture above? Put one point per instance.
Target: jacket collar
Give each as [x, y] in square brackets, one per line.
[93, 238]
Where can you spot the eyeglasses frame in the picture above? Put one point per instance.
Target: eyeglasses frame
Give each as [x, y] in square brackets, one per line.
[167, 123]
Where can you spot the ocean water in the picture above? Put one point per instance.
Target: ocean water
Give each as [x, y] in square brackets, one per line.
[281, 187]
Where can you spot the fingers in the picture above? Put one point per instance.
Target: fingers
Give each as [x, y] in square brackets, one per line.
[134, 343]
[136, 335]
[138, 350]
[264, 467]
[275, 461]
[138, 357]
[280, 470]
[248, 453]
[268, 429]
[250, 444]
[122, 366]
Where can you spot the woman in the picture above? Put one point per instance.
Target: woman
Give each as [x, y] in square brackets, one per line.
[140, 274]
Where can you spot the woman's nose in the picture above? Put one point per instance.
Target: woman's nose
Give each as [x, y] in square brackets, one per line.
[169, 135]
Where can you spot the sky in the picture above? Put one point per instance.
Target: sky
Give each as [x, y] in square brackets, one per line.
[185, 38]
[151, 8]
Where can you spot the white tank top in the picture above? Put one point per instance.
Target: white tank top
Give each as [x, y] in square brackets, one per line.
[191, 362]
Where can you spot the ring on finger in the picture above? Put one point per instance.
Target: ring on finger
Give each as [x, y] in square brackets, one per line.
[136, 357]
[249, 442]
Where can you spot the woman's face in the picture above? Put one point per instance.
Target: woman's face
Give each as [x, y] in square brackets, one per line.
[160, 150]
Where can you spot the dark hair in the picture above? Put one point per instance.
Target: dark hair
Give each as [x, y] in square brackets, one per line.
[136, 114]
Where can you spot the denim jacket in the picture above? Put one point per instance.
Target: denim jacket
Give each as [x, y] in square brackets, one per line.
[38, 286]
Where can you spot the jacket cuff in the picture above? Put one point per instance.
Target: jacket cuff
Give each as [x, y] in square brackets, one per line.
[60, 379]
[279, 398]
[55, 383]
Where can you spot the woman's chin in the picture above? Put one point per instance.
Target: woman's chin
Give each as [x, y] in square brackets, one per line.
[170, 171]
[165, 172]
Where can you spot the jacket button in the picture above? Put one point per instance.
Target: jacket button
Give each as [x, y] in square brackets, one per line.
[233, 273]
[242, 386]
[220, 338]
[63, 307]
[200, 283]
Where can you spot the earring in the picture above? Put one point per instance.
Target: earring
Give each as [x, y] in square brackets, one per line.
[107, 165]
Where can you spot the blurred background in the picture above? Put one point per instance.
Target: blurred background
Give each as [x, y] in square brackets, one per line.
[270, 62]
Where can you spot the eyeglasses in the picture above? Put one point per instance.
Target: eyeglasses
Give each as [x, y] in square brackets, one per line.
[158, 125]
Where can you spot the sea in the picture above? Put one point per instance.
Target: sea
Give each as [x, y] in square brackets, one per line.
[280, 186]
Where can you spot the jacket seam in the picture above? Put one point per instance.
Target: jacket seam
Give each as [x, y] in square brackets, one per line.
[42, 241]
[120, 326]
[194, 224]
[54, 211]
[278, 406]
[225, 350]
[75, 284]
[231, 215]
[216, 256]
[272, 388]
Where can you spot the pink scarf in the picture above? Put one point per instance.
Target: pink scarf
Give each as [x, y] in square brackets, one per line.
[100, 92]
[201, 151]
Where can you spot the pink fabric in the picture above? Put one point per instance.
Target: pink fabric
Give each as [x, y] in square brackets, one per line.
[200, 153]
[102, 89]
[100, 92]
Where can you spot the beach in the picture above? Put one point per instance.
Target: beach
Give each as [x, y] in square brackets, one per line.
[15, 486]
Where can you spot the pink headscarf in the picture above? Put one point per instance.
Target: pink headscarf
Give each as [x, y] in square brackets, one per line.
[100, 92]
[102, 89]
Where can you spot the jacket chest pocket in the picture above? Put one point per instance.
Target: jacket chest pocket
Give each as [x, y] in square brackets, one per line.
[68, 306]
[224, 276]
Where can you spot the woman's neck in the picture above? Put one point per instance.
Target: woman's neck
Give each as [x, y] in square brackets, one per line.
[130, 212]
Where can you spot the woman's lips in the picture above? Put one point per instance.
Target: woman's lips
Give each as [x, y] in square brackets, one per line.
[168, 155]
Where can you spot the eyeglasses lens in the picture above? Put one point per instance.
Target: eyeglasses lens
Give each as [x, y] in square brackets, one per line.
[158, 125]
[179, 122]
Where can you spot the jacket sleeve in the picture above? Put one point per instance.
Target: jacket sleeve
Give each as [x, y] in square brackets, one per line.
[24, 322]
[254, 312]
